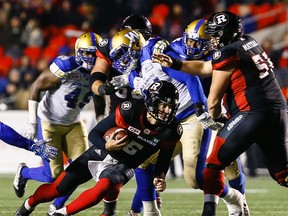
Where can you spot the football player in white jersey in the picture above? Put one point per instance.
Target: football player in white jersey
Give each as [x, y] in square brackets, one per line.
[57, 115]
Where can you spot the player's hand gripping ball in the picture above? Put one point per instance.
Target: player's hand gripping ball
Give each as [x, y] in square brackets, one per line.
[120, 133]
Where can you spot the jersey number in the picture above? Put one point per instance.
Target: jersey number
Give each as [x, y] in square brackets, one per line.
[72, 99]
[132, 148]
[263, 63]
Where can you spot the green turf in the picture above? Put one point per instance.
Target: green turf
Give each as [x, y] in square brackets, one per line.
[265, 198]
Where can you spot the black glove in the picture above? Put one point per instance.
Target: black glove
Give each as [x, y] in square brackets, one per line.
[106, 89]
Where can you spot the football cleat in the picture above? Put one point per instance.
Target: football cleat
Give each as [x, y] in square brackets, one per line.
[19, 183]
[51, 210]
[22, 211]
[132, 213]
[234, 202]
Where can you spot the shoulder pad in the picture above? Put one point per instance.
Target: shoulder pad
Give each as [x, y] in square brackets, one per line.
[65, 63]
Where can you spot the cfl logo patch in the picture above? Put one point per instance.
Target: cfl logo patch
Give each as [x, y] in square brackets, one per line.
[221, 19]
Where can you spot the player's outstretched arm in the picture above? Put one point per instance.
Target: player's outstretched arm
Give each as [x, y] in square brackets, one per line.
[198, 68]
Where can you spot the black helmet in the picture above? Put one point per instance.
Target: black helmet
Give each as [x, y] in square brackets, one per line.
[164, 92]
[139, 23]
[225, 26]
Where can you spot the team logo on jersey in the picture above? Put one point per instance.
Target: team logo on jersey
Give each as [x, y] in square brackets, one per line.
[134, 130]
[103, 43]
[216, 55]
[221, 19]
[126, 105]
[180, 129]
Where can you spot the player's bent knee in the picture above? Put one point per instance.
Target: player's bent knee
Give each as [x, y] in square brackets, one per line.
[232, 172]
[118, 174]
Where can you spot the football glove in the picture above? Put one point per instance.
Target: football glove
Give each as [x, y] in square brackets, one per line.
[208, 122]
[106, 89]
[120, 81]
[160, 46]
[30, 131]
[46, 152]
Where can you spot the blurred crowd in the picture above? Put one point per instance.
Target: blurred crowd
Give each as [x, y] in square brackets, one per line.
[34, 32]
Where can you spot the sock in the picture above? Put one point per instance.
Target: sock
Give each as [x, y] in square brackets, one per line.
[225, 191]
[239, 183]
[27, 206]
[37, 174]
[109, 207]
[213, 181]
[137, 205]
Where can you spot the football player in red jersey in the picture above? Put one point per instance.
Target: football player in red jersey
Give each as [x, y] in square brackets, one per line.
[242, 72]
[150, 128]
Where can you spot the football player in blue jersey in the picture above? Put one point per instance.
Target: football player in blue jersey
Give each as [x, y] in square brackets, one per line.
[13, 138]
[192, 112]
[150, 128]
[257, 109]
[56, 115]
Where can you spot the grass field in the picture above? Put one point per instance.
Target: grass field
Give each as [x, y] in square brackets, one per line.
[265, 198]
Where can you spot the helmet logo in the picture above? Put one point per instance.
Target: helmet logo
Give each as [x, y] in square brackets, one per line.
[126, 105]
[103, 42]
[155, 86]
[216, 55]
[132, 36]
[221, 19]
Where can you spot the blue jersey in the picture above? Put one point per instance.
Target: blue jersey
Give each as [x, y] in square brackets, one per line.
[189, 87]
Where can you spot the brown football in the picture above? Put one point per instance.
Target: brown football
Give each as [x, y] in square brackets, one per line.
[120, 133]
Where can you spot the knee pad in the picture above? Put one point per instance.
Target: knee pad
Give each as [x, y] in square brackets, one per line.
[118, 174]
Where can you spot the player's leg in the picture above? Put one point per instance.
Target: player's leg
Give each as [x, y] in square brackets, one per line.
[227, 147]
[273, 142]
[191, 142]
[237, 180]
[76, 173]
[110, 182]
[76, 143]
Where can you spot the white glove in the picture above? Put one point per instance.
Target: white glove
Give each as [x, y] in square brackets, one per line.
[208, 122]
[120, 81]
[30, 131]
[160, 46]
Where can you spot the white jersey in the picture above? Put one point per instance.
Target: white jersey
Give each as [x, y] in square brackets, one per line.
[151, 71]
[63, 105]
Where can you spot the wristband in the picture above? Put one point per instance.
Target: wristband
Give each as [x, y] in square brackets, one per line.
[176, 63]
[97, 76]
[101, 90]
[32, 107]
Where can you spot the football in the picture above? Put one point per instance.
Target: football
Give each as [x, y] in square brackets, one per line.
[120, 133]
